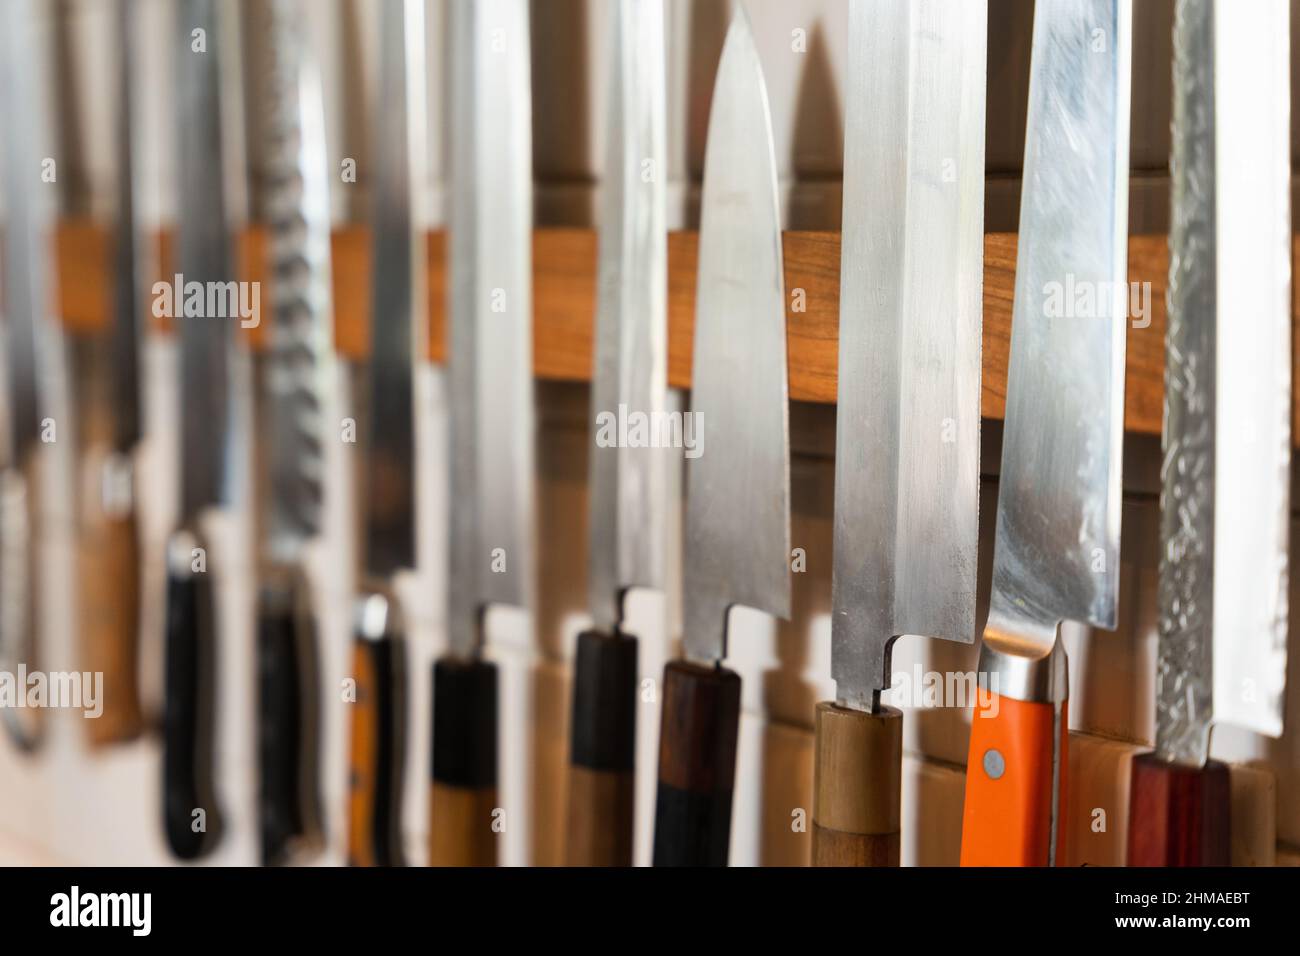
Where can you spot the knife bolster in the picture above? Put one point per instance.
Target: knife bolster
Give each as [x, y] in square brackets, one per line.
[463, 793]
[857, 784]
[697, 764]
[1179, 815]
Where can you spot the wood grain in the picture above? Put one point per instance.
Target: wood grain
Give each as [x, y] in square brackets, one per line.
[1179, 816]
[857, 787]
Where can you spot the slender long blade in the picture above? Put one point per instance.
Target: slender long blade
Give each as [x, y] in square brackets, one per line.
[205, 258]
[738, 493]
[491, 314]
[128, 249]
[398, 299]
[296, 368]
[627, 480]
[1225, 498]
[908, 425]
[1056, 555]
[28, 238]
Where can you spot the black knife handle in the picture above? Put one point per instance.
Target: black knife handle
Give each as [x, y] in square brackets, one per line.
[378, 740]
[602, 754]
[191, 817]
[697, 764]
[463, 798]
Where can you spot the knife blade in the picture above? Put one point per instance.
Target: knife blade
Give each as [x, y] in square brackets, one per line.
[27, 303]
[1225, 495]
[907, 429]
[295, 374]
[490, 394]
[737, 548]
[398, 336]
[1056, 547]
[205, 257]
[626, 483]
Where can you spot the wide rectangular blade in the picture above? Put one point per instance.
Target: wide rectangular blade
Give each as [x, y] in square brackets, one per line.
[908, 418]
[398, 300]
[491, 353]
[737, 548]
[129, 248]
[1056, 555]
[297, 366]
[205, 257]
[627, 479]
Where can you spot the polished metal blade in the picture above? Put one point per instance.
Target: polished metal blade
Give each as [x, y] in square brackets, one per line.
[206, 258]
[1225, 498]
[398, 299]
[491, 354]
[129, 248]
[1056, 553]
[908, 418]
[737, 549]
[627, 477]
[297, 367]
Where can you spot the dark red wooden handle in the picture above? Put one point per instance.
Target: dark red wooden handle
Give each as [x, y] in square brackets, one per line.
[1178, 815]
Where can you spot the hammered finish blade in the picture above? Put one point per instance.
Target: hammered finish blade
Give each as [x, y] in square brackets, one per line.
[908, 418]
[626, 481]
[490, 334]
[737, 548]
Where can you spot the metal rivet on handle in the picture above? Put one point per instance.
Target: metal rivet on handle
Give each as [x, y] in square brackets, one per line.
[995, 765]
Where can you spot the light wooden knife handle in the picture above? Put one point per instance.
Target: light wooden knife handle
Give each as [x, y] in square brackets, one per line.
[1179, 816]
[375, 764]
[602, 753]
[463, 790]
[857, 787]
[1007, 817]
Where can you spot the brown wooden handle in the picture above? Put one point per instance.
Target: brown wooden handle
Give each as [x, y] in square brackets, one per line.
[697, 765]
[1178, 816]
[463, 793]
[602, 750]
[377, 749]
[857, 787]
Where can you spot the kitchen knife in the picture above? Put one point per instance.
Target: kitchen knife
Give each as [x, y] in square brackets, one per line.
[110, 569]
[737, 549]
[26, 299]
[398, 336]
[295, 372]
[907, 439]
[626, 544]
[491, 398]
[1225, 498]
[1056, 549]
[206, 451]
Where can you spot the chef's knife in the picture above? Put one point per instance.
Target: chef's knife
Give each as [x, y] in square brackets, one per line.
[295, 371]
[737, 549]
[110, 572]
[398, 336]
[907, 422]
[1056, 550]
[626, 483]
[192, 818]
[491, 396]
[26, 301]
[1225, 497]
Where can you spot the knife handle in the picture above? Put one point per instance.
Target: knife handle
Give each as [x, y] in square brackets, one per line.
[697, 764]
[602, 753]
[377, 749]
[188, 708]
[19, 588]
[1007, 817]
[463, 791]
[857, 786]
[1178, 816]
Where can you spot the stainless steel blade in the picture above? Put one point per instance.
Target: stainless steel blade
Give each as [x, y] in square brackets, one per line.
[398, 298]
[737, 548]
[626, 479]
[205, 258]
[491, 368]
[908, 418]
[297, 367]
[1056, 553]
[1225, 499]
[129, 253]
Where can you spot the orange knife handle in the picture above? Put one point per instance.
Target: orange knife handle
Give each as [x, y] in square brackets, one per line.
[857, 786]
[1178, 815]
[1007, 819]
